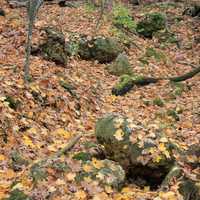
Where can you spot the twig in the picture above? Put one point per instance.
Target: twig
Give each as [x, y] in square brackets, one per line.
[185, 63]
[68, 146]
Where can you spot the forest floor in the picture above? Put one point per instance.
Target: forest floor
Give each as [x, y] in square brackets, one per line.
[37, 129]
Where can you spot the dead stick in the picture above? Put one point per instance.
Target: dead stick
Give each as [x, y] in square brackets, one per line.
[68, 146]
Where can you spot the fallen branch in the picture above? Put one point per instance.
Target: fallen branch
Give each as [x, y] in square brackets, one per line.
[127, 83]
[68, 147]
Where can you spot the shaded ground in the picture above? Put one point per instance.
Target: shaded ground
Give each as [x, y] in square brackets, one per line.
[31, 127]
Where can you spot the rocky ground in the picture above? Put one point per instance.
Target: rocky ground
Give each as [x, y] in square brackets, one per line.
[62, 101]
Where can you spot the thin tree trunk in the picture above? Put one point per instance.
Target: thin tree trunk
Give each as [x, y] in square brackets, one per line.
[28, 52]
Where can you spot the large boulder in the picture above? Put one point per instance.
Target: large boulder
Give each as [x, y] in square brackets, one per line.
[54, 47]
[152, 23]
[129, 144]
[102, 49]
[120, 66]
[189, 189]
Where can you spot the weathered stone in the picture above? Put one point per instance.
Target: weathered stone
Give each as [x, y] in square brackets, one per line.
[122, 145]
[152, 23]
[189, 189]
[120, 66]
[105, 172]
[102, 49]
[54, 48]
[146, 160]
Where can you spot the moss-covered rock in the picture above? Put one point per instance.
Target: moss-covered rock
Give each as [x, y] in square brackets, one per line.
[120, 66]
[152, 23]
[102, 49]
[146, 159]
[189, 189]
[121, 143]
[193, 11]
[105, 172]
[54, 47]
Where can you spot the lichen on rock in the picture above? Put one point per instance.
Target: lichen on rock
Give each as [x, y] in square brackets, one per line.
[100, 48]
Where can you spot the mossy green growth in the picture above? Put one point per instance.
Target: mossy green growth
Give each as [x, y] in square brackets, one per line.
[107, 173]
[164, 36]
[17, 161]
[13, 103]
[120, 66]
[173, 113]
[122, 18]
[152, 23]
[55, 48]
[82, 156]
[158, 102]
[125, 83]
[189, 188]
[18, 195]
[38, 172]
[102, 49]
[157, 55]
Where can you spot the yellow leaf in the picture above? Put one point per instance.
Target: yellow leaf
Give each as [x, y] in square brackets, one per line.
[70, 176]
[157, 159]
[167, 195]
[166, 153]
[80, 194]
[146, 188]
[8, 174]
[87, 168]
[118, 122]
[100, 176]
[2, 157]
[108, 189]
[162, 147]
[63, 133]
[101, 196]
[119, 134]
[27, 141]
[97, 163]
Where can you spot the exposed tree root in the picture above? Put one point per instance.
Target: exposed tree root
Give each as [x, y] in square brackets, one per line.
[142, 81]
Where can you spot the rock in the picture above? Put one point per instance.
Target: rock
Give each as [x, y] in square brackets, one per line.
[193, 11]
[102, 49]
[114, 132]
[2, 12]
[152, 23]
[123, 86]
[54, 48]
[120, 66]
[105, 172]
[189, 189]
[142, 156]
[192, 156]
